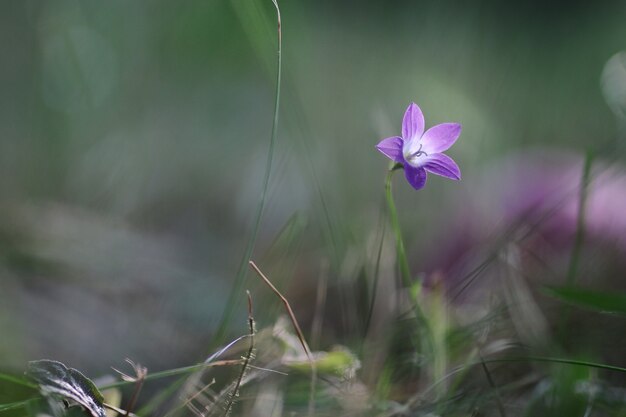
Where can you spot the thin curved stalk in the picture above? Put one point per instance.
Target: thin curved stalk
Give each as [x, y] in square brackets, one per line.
[235, 294]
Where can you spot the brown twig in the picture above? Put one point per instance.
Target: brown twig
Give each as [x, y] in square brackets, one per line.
[292, 316]
[138, 379]
[299, 333]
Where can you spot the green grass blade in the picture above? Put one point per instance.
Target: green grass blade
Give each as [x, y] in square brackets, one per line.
[564, 361]
[578, 239]
[604, 302]
[376, 273]
[580, 222]
[17, 380]
[236, 292]
[12, 406]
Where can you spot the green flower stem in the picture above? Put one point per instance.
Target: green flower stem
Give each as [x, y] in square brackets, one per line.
[427, 340]
[405, 272]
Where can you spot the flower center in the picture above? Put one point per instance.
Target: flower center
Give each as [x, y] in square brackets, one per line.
[413, 157]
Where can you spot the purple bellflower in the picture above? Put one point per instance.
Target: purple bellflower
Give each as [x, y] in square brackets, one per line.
[420, 152]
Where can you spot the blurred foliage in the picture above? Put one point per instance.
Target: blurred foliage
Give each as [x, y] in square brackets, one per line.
[133, 137]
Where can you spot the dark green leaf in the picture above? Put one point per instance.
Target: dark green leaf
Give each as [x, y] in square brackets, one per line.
[595, 300]
[57, 380]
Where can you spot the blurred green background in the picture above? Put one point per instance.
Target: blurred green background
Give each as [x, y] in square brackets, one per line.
[134, 135]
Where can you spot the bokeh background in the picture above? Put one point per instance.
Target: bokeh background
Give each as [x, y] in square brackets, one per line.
[134, 138]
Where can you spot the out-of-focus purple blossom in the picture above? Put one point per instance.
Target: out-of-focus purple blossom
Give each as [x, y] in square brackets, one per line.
[542, 189]
[420, 152]
[515, 232]
[531, 200]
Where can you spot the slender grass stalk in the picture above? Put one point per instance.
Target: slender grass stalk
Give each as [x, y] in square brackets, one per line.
[235, 294]
[578, 242]
[564, 361]
[176, 371]
[494, 388]
[320, 304]
[580, 221]
[246, 360]
[17, 404]
[160, 398]
[376, 277]
[252, 28]
[17, 380]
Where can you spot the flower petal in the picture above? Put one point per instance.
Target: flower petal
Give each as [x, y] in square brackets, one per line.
[443, 165]
[440, 138]
[392, 148]
[415, 176]
[413, 123]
